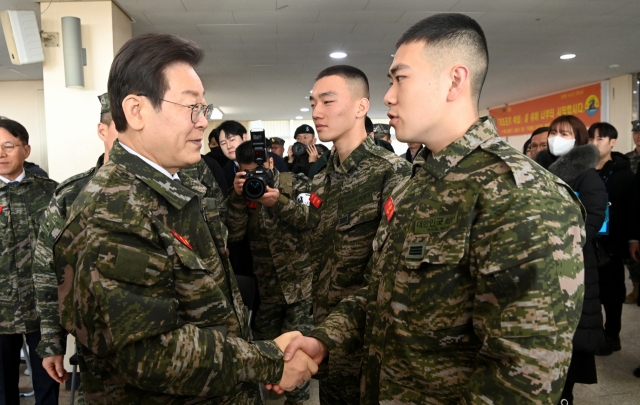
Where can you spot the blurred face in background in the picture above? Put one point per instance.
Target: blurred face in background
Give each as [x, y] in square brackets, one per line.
[538, 143]
[11, 161]
[229, 143]
[277, 149]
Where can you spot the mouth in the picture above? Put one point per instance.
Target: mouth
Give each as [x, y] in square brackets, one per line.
[392, 118]
[197, 142]
[320, 127]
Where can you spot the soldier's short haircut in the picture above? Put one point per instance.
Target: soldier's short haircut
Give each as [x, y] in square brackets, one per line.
[140, 68]
[454, 35]
[230, 128]
[355, 78]
[577, 126]
[539, 131]
[16, 129]
[605, 130]
[244, 153]
[106, 119]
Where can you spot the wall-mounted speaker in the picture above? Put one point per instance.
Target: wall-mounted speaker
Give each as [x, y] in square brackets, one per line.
[23, 36]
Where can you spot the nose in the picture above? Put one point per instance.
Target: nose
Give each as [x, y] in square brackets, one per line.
[390, 97]
[202, 122]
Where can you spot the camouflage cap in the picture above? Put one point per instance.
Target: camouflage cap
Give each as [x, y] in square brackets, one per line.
[381, 130]
[635, 125]
[275, 140]
[105, 106]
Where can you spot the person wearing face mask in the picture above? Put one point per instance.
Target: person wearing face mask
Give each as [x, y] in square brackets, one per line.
[574, 160]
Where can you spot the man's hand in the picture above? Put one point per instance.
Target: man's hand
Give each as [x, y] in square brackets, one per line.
[290, 156]
[238, 182]
[634, 251]
[270, 198]
[314, 348]
[298, 367]
[313, 153]
[55, 368]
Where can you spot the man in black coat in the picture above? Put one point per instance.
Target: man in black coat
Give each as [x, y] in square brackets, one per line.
[615, 171]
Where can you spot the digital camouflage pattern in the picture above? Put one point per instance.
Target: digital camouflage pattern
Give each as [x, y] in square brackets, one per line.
[22, 207]
[280, 263]
[634, 158]
[54, 337]
[632, 265]
[341, 228]
[148, 291]
[476, 286]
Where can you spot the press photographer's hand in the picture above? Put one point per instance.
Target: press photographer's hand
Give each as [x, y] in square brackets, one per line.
[270, 198]
[238, 182]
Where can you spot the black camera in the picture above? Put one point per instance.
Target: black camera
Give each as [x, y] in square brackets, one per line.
[298, 149]
[256, 181]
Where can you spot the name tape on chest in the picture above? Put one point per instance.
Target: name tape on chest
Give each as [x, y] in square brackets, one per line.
[434, 224]
[315, 200]
[353, 201]
[181, 239]
[389, 209]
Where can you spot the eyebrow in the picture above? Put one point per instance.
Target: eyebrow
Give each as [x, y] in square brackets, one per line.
[325, 94]
[395, 69]
[193, 93]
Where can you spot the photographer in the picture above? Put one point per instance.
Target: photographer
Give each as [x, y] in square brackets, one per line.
[303, 153]
[280, 264]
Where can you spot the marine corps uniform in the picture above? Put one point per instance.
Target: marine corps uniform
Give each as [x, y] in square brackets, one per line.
[147, 289]
[345, 210]
[280, 263]
[476, 285]
[21, 207]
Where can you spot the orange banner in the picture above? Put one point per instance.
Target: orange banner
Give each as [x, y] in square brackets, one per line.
[523, 118]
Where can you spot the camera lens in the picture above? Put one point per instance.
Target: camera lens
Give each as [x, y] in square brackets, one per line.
[254, 189]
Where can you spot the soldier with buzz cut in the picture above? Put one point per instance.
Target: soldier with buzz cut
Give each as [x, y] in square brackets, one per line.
[281, 261]
[23, 199]
[346, 206]
[145, 283]
[477, 276]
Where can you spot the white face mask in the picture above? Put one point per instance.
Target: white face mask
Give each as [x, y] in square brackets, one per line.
[559, 146]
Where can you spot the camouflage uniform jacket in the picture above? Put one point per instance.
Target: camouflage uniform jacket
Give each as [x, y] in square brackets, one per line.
[476, 285]
[147, 290]
[348, 199]
[280, 258]
[22, 207]
[634, 158]
[53, 340]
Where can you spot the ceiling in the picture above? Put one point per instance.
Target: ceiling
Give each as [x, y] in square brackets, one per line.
[262, 55]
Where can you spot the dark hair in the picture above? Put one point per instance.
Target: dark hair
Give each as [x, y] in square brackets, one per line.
[539, 131]
[578, 127]
[450, 30]
[230, 128]
[526, 146]
[215, 133]
[605, 130]
[106, 119]
[368, 125]
[140, 68]
[350, 74]
[244, 153]
[16, 129]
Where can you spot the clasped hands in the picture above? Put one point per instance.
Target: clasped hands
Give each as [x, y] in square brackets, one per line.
[302, 355]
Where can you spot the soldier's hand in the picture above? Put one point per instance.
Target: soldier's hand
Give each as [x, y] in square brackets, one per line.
[290, 156]
[270, 198]
[54, 367]
[238, 182]
[634, 251]
[314, 348]
[313, 153]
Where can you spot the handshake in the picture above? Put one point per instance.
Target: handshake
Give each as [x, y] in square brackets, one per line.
[302, 355]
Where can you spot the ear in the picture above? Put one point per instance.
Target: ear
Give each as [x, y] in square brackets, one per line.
[134, 108]
[363, 107]
[460, 82]
[102, 131]
[613, 142]
[245, 137]
[27, 151]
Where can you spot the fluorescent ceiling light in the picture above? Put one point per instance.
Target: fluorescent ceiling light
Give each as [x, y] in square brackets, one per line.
[216, 114]
[338, 55]
[299, 117]
[568, 56]
[304, 109]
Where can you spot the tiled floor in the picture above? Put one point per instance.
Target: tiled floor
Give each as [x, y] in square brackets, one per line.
[616, 386]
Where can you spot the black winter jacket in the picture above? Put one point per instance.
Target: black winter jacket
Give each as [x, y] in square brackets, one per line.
[577, 169]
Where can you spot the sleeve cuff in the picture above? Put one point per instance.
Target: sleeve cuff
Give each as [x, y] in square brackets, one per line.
[320, 334]
[267, 365]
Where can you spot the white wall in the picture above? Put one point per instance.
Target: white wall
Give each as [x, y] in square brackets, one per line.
[20, 101]
[620, 110]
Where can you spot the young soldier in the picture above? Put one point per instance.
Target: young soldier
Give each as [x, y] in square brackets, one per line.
[145, 281]
[477, 276]
[345, 210]
[23, 198]
[280, 257]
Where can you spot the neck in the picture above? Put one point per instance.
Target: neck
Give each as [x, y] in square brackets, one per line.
[105, 159]
[414, 150]
[638, 150]
[449, 131]
[133, 142]
[348, 142]
[12, 176]
[603, 161]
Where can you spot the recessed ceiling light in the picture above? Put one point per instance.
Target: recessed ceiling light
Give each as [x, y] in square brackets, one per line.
[393, 55]
[304, 109]
[614, 66]
[338, 55]
[568, 56]
[299, 117]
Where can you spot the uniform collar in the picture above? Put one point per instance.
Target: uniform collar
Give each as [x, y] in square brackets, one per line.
[18, 179]
[175, 193]
[152, 164]
[352, 161]
[441, 163]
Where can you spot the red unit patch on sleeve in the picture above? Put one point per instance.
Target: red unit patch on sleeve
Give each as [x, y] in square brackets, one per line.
[315, 200]
[389, 209]
[252, 204]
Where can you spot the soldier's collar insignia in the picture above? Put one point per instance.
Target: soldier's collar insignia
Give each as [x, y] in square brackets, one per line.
[389, 209]
[0, 209]
[181, 239]
[315, 200]
[252, 204]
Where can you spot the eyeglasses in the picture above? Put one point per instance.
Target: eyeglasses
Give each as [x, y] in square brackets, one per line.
[9, 147]
[197, 110]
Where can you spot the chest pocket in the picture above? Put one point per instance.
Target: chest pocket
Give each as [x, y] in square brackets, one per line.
[218, 230]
